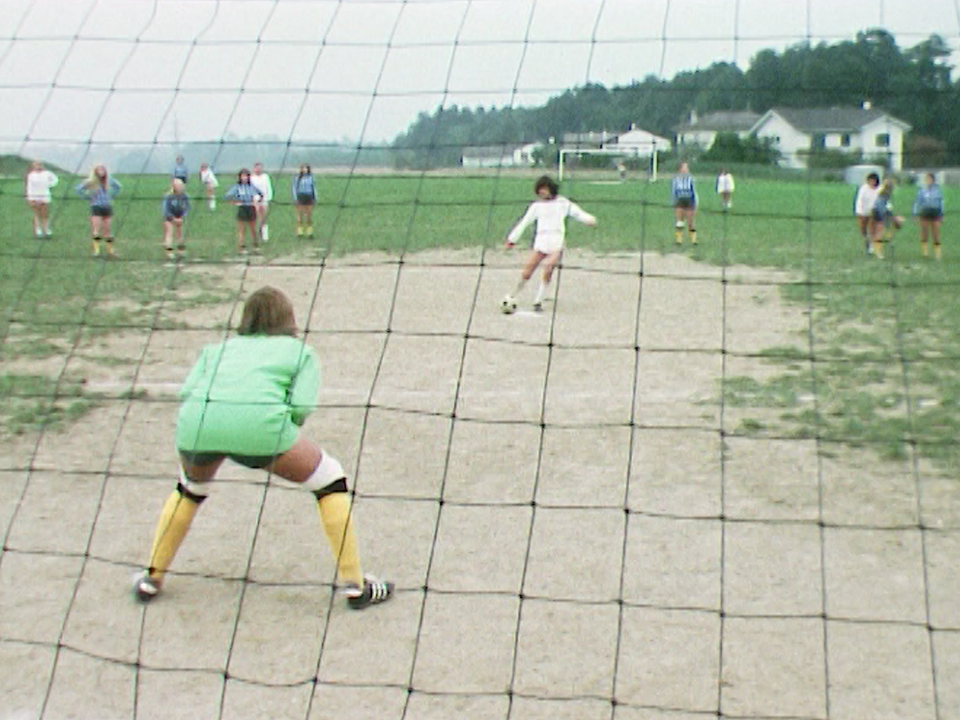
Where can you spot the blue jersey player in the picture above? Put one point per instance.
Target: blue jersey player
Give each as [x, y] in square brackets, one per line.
[683, 194]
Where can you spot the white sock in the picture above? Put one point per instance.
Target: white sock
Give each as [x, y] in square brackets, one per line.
[541, 291]
[213, 204]
[265, 233]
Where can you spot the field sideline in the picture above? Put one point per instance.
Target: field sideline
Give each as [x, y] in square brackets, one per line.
[883, 332]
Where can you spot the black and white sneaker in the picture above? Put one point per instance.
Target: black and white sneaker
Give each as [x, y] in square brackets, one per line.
[374, 592]
[145, 588]
[538, 307]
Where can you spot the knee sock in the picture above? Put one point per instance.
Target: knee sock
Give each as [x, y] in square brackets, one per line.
[693, 236]
[541, 291]
[936, 250]
[96, 245]
[678, 233]
[335, 516]
[923, 248]
[172, 527]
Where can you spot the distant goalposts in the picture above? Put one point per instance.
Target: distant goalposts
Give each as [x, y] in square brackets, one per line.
[651, 151]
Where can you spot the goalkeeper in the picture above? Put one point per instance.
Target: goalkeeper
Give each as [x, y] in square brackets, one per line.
[245, 399]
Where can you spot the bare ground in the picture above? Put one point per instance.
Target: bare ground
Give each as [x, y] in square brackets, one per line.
[494, 457]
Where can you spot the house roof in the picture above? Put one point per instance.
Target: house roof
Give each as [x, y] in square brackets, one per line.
[491, 151]
[833, 119]
[721, 121]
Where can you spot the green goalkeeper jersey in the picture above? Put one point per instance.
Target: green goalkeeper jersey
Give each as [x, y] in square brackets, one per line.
[248, 396]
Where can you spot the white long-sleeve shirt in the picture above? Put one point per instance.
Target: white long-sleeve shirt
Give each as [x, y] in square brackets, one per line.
[262, 183]
[39, 183]
[207, 177]
[551, 217]
[866, 199]
[725, 183]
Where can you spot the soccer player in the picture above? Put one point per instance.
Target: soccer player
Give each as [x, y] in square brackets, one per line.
[210, 185]
[883, 223]
[261, 181]
[246, 399]
[863, 204]
[174, 209]
[725, 187]
[100, 189]
[928, 209]
[550, 212]
[180, 171]
[37, 184]
[304, 193]
[684, 196]
[247, 198]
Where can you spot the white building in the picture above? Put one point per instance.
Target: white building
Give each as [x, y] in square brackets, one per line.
[637, 141]
[702, 131]
[494, 156]
[796, 132]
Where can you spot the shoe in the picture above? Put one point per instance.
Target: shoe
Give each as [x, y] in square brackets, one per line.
[374, 592]
[145, 588]
[538, 307]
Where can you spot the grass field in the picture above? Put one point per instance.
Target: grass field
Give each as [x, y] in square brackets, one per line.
[879, 358]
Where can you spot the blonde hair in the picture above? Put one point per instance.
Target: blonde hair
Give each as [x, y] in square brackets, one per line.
[94, 179]
[886, 187]
[268, 312]
[176, 186]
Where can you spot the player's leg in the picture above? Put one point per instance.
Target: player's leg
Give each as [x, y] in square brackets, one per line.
[320, 473]
[108, 232]
[529, 267]
[863, 223]
[678, 216]
[44, 208]
[262, 210]
[96, 229]
[308, 218]
[935, 232]
[211, 197]
[549, 263]
[690, 217]
[168, 237]
[37, 223]
[925, 225]
[178, 236]
[877, 231]
[196, 474]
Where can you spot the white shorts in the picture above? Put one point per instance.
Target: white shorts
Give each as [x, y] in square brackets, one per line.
[45, 199]
[548, 244]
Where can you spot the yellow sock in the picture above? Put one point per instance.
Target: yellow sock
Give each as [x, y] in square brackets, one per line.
[299, 231]
[96, 247]
[923, 248]
[109, 247]
[936, 251]
[678, 236]
[310, 230]
[693, 237]
[175, 519]
[338, 526]
[878, 248]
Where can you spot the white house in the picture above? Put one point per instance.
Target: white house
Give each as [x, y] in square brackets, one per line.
[702, 131]
[639, 142]
[798, 131]
[494, 156]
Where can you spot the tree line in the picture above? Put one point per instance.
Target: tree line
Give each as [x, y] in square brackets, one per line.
[914, 84]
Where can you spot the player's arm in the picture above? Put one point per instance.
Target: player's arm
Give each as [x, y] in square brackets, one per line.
[268, 192]
[305, 389]
[528, 217]
[115, 187]
[581, 215]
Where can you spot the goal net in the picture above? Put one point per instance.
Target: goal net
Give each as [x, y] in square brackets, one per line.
[707, 468]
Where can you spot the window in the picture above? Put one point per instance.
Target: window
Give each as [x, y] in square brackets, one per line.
[882, 140]
[845, 140]
[818, 141]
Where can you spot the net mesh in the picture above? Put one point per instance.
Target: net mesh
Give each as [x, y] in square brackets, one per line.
[707, 482]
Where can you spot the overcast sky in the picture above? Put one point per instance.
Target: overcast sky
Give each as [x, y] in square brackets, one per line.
[165, 70]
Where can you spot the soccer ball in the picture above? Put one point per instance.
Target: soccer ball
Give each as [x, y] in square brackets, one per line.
[508, 305]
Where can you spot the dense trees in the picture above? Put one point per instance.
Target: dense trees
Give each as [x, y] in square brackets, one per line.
[914, 84]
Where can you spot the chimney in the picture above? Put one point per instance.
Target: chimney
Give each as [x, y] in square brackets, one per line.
[867, 105]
